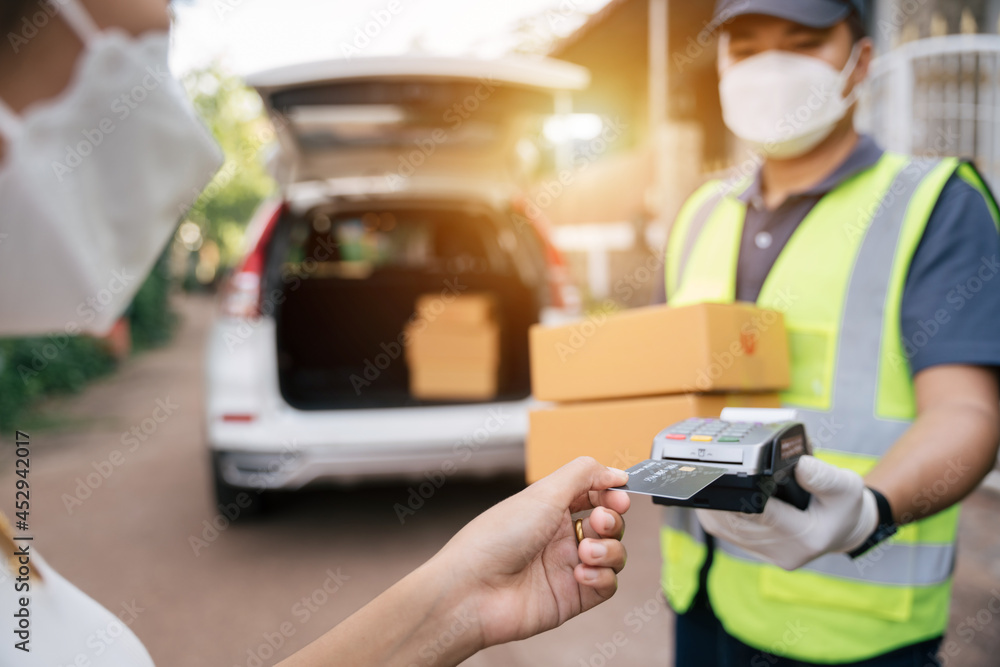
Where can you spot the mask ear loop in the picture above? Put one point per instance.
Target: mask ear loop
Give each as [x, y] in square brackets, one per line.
[849, 68]
[80, 21]
[723, 58]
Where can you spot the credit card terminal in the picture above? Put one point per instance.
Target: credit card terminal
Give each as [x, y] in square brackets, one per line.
[757, 461]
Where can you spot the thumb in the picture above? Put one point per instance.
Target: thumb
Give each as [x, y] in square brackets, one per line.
[577, 477]
[824, 479]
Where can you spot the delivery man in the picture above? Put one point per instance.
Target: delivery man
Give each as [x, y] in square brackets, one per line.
[886, 269]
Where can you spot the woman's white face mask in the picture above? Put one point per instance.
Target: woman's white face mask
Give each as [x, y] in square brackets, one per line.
[94, 182]
[784, 104]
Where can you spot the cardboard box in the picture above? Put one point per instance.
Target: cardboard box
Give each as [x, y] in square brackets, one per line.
[463, 309]
[453, 348]
[618, 433]
[440, 381]
[661, 350]
[453, 342]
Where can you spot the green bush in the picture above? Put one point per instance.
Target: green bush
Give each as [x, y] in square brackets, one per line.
[32, 368]
[150, 317]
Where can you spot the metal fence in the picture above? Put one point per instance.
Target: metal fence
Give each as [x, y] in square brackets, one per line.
[939, 96]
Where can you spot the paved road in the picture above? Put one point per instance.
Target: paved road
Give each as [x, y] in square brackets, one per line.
[132, 539]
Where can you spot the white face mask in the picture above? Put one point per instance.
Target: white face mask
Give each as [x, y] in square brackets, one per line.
[94, 182]
[784, 104]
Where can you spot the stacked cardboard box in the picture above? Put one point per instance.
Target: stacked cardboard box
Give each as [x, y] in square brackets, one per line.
[453, 348]
[620, 379]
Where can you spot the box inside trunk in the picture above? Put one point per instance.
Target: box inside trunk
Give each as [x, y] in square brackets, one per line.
[340, 323]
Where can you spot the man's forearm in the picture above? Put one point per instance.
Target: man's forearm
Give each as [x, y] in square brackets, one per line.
[422, 619]
[951, 446]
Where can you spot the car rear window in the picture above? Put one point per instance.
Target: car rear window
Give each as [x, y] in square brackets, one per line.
[355, 245]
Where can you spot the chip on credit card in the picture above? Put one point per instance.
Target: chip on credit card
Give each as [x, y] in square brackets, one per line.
[670, 479]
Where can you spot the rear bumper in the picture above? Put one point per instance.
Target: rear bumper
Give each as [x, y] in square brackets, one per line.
[294, 448]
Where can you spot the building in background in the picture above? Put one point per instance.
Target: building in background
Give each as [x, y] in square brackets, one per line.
[665, 101]
[935, 90]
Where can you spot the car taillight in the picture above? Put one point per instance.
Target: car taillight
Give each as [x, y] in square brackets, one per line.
[243, 418]
[563, 293]
[241, 295]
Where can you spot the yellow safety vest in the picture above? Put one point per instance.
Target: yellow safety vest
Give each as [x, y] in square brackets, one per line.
[839, 282]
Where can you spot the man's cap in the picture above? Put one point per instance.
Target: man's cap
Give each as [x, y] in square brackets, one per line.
[812, 13]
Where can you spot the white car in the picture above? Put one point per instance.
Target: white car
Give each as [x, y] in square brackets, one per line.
[399, 179]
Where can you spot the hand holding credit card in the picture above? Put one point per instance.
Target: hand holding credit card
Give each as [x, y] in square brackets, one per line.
[670, 479]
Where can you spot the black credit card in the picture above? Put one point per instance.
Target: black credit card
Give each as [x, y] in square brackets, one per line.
[670, 479]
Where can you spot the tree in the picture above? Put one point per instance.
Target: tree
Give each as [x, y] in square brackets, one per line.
[235, 115]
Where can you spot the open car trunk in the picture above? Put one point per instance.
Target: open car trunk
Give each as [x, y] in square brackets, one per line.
[349, 281]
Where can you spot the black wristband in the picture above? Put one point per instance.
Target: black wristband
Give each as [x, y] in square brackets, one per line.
[885, 529]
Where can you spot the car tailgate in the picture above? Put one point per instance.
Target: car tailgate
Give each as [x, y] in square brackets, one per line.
[399, 116]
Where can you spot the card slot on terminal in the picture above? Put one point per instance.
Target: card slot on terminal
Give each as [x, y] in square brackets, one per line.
[710, 454]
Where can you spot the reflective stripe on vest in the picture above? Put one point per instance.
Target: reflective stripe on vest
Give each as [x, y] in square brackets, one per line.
[861, 404]
[897, 565]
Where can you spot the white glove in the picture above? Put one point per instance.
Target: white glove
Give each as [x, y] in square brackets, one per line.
[841, 516]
